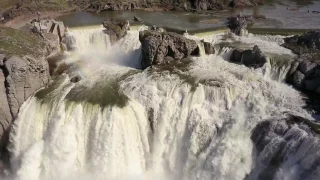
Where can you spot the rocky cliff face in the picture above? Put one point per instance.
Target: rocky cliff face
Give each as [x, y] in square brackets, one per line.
[23, 70]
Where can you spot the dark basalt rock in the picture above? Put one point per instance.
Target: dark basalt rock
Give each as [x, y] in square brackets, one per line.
[250, 58]
[298, 78]
[159, 47]
[208, 48]
[116, 28]
[278, 141]
[307, 47]
[237, 24]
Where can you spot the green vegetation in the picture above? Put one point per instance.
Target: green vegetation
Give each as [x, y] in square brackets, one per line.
[18, 42]
[43, 93]
[7, 3]
[104, 92]
[47, 5]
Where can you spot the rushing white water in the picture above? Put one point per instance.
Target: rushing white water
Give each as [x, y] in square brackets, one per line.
[118, 122]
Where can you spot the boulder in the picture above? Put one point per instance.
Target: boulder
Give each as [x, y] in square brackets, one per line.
[310, 39]
[250, 58]
[312, 84]
[279, 141]
[116, 28]
[298, 78]
[237, 24]
[253, 58]
[137, 19]
[156, 46]
[307, 47]
[307, 67]
[208, 48]
[236, 56]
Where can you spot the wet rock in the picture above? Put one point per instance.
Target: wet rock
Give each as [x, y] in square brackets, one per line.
[310, 38]
[253, 58]
[236, 56]
[156, 46]
[75, 79]
[237, 24]
[250, 58]
[294, 67]
[137, 19]
[278, 141]
[307, 47]
[208, 48]
[298, 78]
[116, 28]
[307, 67]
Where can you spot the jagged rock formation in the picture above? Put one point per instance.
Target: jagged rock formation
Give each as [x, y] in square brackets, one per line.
[285, 147]
[23, 70]
[306, 74]
[250, 58]
[163, 47]
[116, 28]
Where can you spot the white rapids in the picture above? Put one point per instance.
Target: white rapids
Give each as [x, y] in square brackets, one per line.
[118, 122]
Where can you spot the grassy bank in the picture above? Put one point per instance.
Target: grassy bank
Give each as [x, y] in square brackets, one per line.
[18, 42]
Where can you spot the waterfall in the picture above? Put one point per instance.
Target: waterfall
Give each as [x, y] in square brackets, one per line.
[118, 122]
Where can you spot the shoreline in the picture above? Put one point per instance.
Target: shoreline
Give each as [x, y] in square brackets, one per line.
[20, 21]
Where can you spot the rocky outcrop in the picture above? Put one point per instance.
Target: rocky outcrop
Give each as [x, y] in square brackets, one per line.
[250, 58]
[116, 28]
[159, 47]
[208, 48]
[307, 74]
[305, 43]
[23, 70]
[283, 145]
[238, 24]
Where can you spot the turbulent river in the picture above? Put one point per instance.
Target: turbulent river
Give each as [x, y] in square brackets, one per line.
[193, 121]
